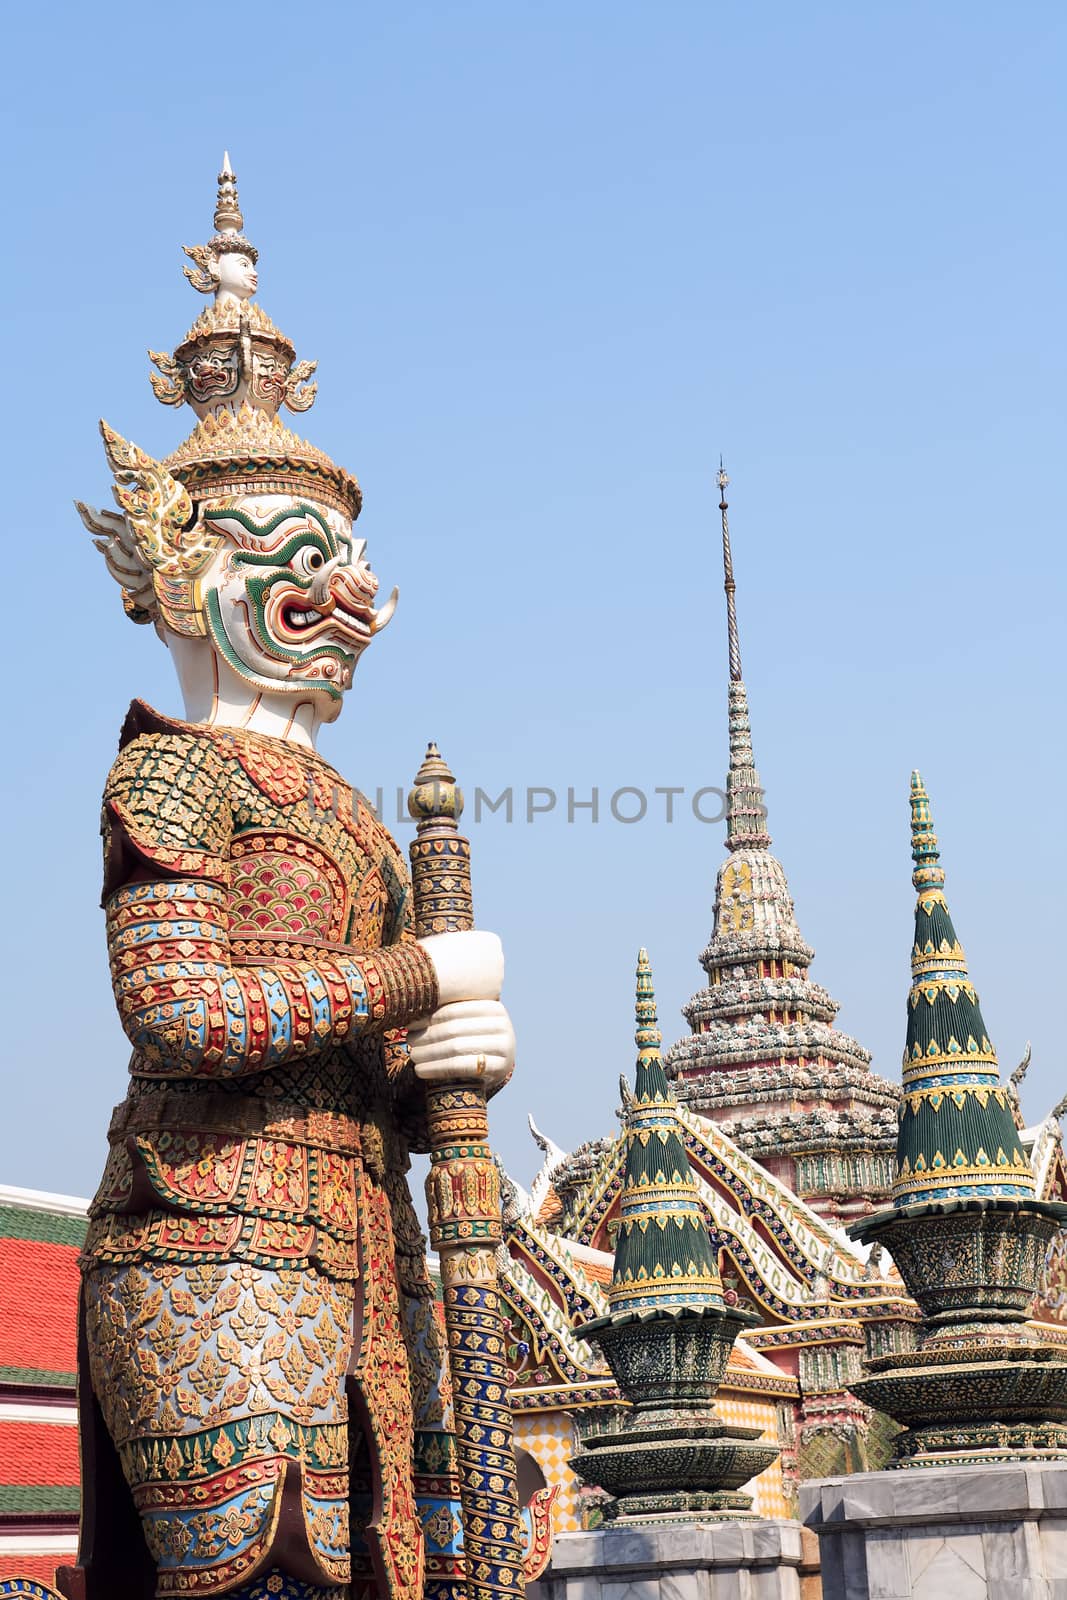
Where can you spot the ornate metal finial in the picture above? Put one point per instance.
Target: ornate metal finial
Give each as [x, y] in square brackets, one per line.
[728, 577]
[925, 851]
[440, 854]
[228, 218]
[746, 815]
[435, 793]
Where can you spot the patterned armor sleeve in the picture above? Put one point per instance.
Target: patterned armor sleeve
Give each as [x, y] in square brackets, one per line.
[186, 1007]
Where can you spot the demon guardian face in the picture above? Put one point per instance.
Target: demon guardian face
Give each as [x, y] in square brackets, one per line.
[289, 598]
[275, 587]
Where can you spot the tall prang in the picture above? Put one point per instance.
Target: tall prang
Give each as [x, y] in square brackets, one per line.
[763, 1058]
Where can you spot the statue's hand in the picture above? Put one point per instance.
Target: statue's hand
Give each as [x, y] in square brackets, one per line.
[469, 966]
[469, 1041]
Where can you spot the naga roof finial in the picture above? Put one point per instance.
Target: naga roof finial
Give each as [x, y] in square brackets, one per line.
[746, 815]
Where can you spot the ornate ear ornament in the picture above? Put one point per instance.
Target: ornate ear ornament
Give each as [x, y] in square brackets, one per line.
[157, 549]
[168, 384]
[204, 272]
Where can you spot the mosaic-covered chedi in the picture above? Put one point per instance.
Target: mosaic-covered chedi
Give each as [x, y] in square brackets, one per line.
[967, 1228]
[263, 1405]
[668, 1331]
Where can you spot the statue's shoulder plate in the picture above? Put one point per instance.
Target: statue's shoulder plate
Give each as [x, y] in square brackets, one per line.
[166, 803]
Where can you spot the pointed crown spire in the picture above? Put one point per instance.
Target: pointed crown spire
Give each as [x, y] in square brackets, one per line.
[663, 1256]
[228, 218]
[236, 370]
[957, 1136]
[746, 815]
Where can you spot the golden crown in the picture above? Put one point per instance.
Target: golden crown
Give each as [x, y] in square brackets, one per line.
[236, 370]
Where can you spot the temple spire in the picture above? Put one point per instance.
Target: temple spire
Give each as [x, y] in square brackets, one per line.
[957, 1137]
[663, 1255]
[746, 816]
[668, 1331]
[728, 579]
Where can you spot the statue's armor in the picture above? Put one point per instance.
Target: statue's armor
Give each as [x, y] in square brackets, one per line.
[252, 1240]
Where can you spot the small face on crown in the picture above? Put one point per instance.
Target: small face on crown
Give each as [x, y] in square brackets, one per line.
[236, 276]
[289, 598]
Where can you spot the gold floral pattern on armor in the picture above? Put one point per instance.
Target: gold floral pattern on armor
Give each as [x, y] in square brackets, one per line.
[216, 1344]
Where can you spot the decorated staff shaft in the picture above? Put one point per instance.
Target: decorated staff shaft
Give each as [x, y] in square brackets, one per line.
[463, 1194]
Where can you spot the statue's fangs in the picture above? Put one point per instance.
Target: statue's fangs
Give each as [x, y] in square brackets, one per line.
[265, 1409]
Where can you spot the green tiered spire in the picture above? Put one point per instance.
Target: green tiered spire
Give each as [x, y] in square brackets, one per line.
[663, 1255]
[957, 1137]
[668, 1333]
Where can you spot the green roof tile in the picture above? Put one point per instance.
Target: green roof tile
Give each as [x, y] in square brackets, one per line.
[37, 1377]
[48, 1227]
[24, 1499]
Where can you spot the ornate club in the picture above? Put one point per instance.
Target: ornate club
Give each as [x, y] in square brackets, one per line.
[463, 1193]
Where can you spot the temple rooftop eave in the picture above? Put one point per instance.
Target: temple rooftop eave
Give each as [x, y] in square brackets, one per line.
[732, 949]
[778, 1081]
[745, 996]
[746, 1043]
[813, 1132]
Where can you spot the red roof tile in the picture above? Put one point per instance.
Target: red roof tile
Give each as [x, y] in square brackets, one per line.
[38, 1453]
[43, 1568]
[39, 1285]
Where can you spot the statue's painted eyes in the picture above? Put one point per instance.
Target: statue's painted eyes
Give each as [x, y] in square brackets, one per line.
[308, 560]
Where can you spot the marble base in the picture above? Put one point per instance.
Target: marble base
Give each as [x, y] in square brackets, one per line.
[995, 1532]
[686, 1560]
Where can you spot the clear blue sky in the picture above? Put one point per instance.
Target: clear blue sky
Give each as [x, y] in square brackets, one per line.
[552, 259]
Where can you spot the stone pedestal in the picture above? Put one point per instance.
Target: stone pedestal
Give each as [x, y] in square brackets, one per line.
[749, 1560]
[996, 1532]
